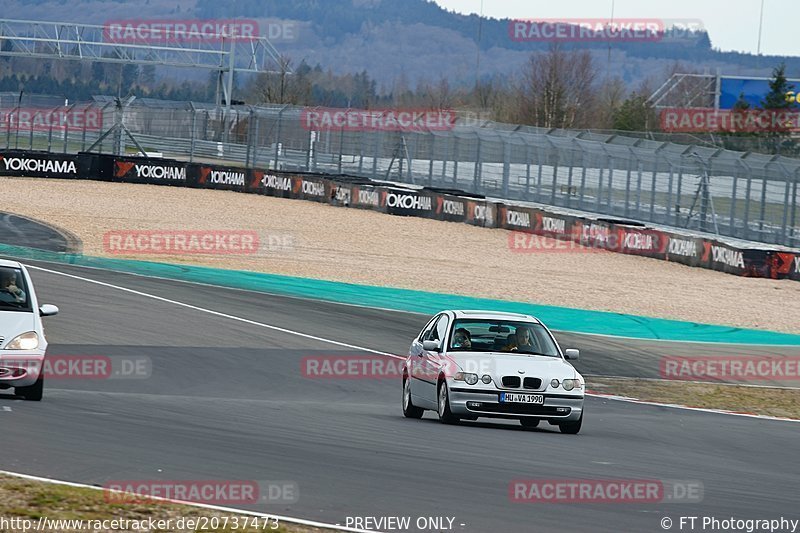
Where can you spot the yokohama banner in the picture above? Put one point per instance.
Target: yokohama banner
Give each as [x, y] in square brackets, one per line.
[554, 225]
[794, 270]
[270, 184]
[42, 165]
[596, 234]
[410, 203]
[742, 262]
[451, 208]
[341, 193]
[368, 197]
[640, 241]
[482, 213]
[516, 218]
[684, 249]
[217, 177]
[310, 188]
[154, 171]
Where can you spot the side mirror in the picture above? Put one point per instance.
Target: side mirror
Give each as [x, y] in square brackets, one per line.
[431, 346]
[48, 310]
[572, 354]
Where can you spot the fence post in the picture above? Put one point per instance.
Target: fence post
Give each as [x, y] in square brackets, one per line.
[193, 111]
[506, 166]
[476, 177]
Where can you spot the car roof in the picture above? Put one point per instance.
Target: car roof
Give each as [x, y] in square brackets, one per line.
[460, 313]
[10, 264]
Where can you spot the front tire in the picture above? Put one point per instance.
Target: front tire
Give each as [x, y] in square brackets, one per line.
[32, 393]
[445, 415]
[529, 422]
[409, 409]
[571, 428]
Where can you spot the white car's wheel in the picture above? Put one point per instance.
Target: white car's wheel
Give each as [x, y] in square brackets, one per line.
[32, 393]
[409, 409]
[571, 428]
[445, 415]
[529, 422]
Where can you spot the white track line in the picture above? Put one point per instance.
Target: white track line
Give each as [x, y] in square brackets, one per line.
[685, 407]
[217, 313]
[232, 510]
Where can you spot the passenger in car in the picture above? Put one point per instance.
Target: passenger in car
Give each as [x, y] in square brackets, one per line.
[9, 292]
[462, 339]
[522, 340]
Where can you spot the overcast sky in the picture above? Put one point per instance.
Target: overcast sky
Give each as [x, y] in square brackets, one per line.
[731, 24]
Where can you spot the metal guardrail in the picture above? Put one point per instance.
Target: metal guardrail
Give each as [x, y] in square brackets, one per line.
[737, 194]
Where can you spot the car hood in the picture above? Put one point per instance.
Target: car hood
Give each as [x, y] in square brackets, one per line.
[12, 323]
[504, 364]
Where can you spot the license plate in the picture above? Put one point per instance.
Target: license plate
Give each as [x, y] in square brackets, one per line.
[508, 397]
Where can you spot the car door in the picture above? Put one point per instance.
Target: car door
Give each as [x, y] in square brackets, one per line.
[431, 361]
[417, 362]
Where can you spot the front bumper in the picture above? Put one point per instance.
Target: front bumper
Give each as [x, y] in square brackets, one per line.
[20, 368]
[468, 402]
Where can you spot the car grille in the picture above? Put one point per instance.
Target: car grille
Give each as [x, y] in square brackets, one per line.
[532, 383]
[515, 382]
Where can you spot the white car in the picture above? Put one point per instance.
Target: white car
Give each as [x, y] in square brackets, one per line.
[472, 364]
[22, 341]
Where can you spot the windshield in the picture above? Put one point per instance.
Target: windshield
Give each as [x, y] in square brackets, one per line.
[501, 336]
[13, 290]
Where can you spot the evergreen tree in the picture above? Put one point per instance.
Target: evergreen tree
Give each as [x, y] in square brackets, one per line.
[779, 136]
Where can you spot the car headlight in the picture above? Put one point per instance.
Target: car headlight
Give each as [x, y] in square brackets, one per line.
[470, 379]
[486, 379]
[555, 383]
[570, 384]
[25, 341]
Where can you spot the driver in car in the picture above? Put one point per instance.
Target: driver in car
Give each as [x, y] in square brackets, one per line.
[462, 340]
[9, 292]
[522, 341]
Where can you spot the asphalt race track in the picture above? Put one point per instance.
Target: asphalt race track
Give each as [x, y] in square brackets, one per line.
[23, 231]
[227, 400]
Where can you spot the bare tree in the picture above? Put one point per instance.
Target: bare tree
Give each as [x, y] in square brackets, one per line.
[556, 90]
[283, 86]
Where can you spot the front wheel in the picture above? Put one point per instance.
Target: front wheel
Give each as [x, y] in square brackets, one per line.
[32, 393]
[409, 409]
[571, 428]
[529, 422]
[445, 415]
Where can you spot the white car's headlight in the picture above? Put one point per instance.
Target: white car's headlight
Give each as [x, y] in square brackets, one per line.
[26, 341]
[486, 379]
[470, 379]
[555, 383]
[570, 384]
